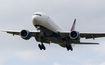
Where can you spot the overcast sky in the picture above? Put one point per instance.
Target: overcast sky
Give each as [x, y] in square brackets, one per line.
[17, 15]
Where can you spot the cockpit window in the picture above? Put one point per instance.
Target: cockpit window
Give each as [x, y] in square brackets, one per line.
[38, 14]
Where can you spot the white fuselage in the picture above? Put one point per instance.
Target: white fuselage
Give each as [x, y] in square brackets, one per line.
[42, 19]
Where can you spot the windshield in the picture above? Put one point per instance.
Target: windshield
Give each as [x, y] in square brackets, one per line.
[38, 14]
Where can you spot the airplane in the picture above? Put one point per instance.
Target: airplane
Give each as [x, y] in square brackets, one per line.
[49, 32]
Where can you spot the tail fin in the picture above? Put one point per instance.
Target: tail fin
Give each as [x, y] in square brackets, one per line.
[73, 26]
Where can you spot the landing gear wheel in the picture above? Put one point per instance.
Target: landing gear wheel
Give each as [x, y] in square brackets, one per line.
[69, 47]
[41, 46]
[44, 48]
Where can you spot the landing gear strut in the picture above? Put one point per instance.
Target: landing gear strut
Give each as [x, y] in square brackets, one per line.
[69, 47]
[41, 46]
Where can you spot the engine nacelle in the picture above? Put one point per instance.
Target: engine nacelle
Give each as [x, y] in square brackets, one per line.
[25, 34]
[75, 35]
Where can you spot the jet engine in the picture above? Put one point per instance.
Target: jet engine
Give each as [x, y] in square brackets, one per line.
[25, 34]
[75, 35]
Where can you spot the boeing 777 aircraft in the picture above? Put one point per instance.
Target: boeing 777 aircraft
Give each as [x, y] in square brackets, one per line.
[49, 32]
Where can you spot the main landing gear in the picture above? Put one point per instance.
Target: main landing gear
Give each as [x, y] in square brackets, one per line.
[69, 47]
[41, 46]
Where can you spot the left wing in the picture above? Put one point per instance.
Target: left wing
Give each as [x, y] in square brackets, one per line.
[86, 35]
[92, 35]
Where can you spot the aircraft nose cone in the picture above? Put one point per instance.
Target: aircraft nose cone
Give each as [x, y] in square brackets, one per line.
[35, 19]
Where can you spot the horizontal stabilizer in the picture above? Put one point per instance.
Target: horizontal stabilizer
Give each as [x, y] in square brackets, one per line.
[86, 43]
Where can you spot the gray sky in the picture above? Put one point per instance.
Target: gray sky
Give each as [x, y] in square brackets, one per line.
[16, 15]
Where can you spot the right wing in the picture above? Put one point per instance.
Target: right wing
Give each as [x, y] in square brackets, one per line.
[33, 33]
[17, 32]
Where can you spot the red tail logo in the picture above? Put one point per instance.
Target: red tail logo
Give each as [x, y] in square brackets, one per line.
[73, 26]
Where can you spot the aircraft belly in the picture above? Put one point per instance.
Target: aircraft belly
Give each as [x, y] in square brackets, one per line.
[50, 35]
[56, 40]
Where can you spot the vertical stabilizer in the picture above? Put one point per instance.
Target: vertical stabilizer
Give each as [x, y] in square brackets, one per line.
[73, 26]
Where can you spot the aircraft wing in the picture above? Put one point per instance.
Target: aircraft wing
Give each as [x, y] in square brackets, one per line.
[86, 35]
[17, 32]
[92, 34]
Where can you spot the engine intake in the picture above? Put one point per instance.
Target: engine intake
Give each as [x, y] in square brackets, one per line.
[75, 35]
[25, 34]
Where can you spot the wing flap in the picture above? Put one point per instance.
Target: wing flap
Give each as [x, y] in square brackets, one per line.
[87, 43]
[81, 43]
